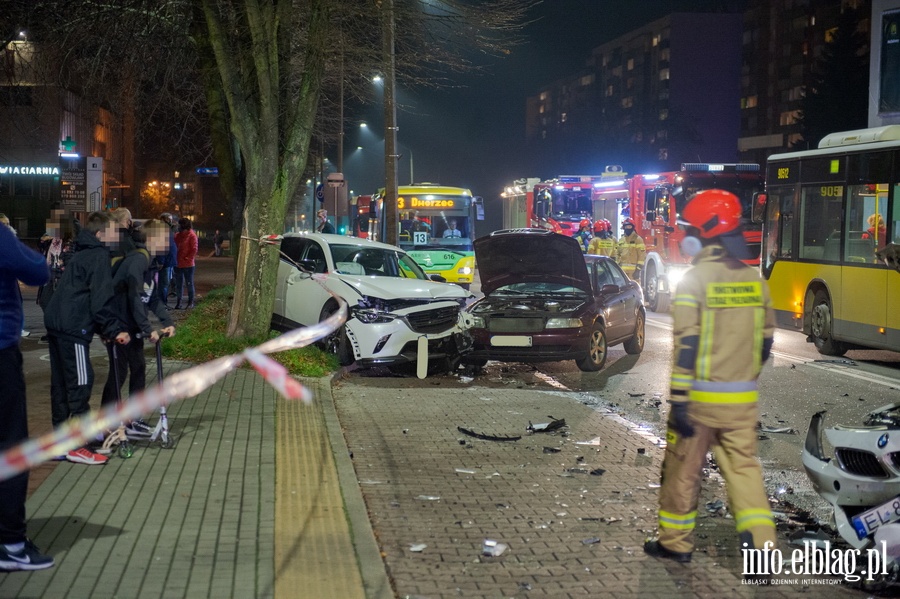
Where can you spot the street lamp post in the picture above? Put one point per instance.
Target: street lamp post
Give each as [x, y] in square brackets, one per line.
[389, 206]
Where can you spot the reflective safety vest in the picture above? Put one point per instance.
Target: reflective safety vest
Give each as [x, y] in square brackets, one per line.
[723, 327]
[602, 247]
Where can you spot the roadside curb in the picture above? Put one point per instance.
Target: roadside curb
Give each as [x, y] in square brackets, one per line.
[372, 568]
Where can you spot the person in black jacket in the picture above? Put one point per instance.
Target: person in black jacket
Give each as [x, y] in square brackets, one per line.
[135, 297]
[80, 307]
[17, 263]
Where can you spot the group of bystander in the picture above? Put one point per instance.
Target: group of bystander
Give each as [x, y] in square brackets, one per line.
[103, 275]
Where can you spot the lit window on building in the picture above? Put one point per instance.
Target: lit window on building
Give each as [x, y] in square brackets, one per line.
[630, 64]
[656, 39]
[788, 118]
[664, 114]
[664, 74]
[628, 102]
[563, 117]
[609, 91]
[587, 80]
[663, 154]
[544, 95]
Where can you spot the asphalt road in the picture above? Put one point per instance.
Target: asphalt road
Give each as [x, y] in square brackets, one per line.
[795, 384]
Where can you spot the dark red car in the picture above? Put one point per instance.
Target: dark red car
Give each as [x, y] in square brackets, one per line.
[545, 301]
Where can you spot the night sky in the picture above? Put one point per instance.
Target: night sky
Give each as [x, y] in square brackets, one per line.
[473, 135]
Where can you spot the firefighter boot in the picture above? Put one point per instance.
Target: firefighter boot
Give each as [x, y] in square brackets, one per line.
[656, 549]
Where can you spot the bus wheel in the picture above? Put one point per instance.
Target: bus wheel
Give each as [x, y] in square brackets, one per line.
[656, 301]
[822, 327]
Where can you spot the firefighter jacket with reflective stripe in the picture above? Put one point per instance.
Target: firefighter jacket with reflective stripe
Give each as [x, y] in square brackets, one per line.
[723, 327]
[602, 247]
[630, 251]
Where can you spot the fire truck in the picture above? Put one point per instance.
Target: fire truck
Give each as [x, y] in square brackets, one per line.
[654, 201]
[558, 204]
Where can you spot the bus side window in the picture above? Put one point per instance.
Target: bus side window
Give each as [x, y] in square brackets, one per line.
[895, 216]
[865, 222]
[820, 207]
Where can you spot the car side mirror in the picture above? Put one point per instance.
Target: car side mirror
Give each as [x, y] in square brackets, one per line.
[609, 289]
[307, 265]
[437, 278]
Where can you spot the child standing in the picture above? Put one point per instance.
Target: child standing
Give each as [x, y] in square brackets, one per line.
[135, 297]
[80, 307]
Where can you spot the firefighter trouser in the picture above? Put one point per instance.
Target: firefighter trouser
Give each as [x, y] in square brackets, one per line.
[735, 451]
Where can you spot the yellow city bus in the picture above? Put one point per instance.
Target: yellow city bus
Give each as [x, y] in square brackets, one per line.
[437, 227]
[825, 213]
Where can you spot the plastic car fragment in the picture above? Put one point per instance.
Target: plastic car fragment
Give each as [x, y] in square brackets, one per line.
[546, 427]
[492, 548]
[485, 437]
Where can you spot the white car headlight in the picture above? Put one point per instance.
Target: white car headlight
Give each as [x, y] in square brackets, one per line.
[372, 316]
[465, 270]
[564, 323]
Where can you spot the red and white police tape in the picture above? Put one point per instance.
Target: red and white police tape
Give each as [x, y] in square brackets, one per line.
[181, 385]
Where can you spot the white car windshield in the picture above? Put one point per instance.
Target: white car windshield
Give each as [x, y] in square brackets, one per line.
[374, 261]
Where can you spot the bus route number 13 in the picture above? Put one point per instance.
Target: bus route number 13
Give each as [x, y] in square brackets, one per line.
[420, 237]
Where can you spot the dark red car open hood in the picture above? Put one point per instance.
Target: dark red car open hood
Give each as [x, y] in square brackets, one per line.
[507, 258]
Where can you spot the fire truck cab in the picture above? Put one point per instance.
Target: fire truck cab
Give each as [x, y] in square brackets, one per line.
[654, 201]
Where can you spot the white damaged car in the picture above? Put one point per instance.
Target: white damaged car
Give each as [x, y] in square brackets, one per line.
[393, 303]
[856, 469]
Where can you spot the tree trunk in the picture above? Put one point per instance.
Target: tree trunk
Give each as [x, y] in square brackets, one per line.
[257, 265]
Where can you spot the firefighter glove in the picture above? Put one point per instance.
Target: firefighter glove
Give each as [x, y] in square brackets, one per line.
[680, 421]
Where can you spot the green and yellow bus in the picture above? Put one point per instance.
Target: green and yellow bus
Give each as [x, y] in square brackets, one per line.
[437, 227]
[825, 213]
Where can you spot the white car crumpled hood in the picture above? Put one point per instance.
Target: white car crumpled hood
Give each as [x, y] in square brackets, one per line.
[389, 288]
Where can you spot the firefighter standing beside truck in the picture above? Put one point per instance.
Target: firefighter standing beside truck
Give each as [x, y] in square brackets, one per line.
[584, 235]
[723, 327]
[631, 251]
[603, 243]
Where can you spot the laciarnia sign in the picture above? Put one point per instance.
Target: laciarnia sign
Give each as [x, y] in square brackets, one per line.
[24, 169]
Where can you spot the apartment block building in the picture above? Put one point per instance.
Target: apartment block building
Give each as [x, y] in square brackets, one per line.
[690, 87]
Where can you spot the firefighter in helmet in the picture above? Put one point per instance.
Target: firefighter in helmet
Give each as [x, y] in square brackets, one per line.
[630, 250]
[603, 243]
[583, 237]
[723, 327]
